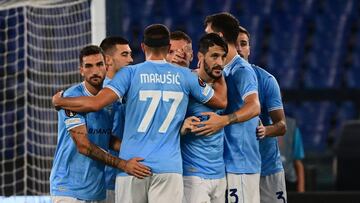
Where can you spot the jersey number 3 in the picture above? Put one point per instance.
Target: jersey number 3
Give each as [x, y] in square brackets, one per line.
[155, 96]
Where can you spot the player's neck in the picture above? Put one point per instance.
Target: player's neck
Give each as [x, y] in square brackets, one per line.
[231, 53]
[155, 57]
[111, 72]
[93, 89]
[204, 76]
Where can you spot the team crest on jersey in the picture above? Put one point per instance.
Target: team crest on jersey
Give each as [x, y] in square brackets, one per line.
[70, 113]
[201, 82]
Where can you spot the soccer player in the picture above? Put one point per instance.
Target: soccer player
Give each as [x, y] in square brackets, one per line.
[78, 172]
[157, 96]
[118, 54]
[203, 162]
[181, 51]
[272, 179]
[241, 148]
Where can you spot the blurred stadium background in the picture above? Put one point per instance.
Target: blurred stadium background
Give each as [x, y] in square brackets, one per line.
[312, 47]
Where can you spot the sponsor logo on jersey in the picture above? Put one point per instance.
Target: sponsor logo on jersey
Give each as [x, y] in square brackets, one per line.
[98, 131]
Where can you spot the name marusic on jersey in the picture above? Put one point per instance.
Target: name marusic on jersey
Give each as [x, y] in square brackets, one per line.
[169, 78]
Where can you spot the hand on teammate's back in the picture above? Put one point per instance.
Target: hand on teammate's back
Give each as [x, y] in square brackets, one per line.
[137, 169]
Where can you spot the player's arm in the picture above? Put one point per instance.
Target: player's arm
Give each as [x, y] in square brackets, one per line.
[250, 109]
[300, 174]
[219, 99]
[115, 143]
[278, 128]
[85, 147]
[85, 103]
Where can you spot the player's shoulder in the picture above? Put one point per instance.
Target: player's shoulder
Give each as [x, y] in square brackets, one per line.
[75, 90]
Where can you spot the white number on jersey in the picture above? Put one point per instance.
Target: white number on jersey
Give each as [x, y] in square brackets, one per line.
[155, 96]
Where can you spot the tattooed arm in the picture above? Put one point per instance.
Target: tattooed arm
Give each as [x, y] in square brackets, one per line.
[85, 147]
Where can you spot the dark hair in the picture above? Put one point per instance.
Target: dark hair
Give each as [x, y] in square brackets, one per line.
[243, 30]
[108, 44]
[90, 50]
[225, 23]
[156, 35]
[180, 35]
[209, 40]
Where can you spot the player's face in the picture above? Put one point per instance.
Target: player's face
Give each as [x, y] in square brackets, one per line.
[93, 69]
[122, 56]
[181, 48]
[214, 61]
[243, 46]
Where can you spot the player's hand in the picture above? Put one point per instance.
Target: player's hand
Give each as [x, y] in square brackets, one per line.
[55, 100]
[189, 124]
[137, 169]
[180, 58]
[211, 126]
[260, 131]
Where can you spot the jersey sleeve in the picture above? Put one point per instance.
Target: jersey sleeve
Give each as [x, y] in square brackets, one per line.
[200, 91]
[298, 146]
[72, 119]
[121, 81]
[273, 95]
[246, 82]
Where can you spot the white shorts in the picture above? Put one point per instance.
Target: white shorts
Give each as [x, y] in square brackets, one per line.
[272, 188]
[65, 199]
[243, 188]
[158, 188]
[110, 196]
[202, 190]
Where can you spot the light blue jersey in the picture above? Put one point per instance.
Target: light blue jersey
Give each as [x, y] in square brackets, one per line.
[157, 97]
[202, 155]
[118, 116]
[74, 174]
[270, 100]
[241, 152]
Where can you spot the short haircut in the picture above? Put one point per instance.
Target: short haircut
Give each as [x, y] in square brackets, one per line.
[180, 35]
[225, 23]
[243, 30]
[108, 44]
[156, 35]
[90, 50]
[209, 40]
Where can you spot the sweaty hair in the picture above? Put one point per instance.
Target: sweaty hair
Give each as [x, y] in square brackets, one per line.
[108, 44]
[180, 35]
[90, 50]
[243, 30]
[225, 23]
[209, 40]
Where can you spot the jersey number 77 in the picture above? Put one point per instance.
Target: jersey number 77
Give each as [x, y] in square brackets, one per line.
[155, 96]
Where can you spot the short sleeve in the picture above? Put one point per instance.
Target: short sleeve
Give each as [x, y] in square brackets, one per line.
[121, 81]
[246, 82]
[201, 91]
[273, 95]
[72, 119]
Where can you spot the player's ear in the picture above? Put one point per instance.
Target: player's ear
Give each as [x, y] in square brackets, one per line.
[143, 47]
[81, 71]
[200, 56]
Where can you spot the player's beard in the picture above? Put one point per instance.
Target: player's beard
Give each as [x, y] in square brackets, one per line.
[96, 81]
[210, 71]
